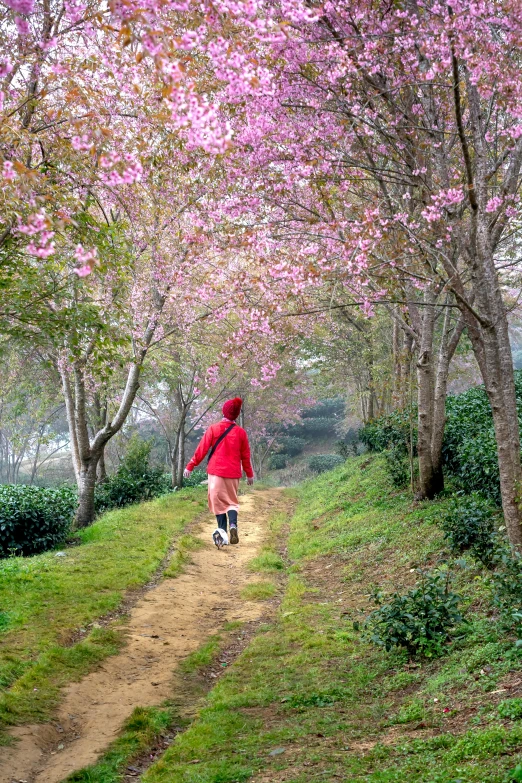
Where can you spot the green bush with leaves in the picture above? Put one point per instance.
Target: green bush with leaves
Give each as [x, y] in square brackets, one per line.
[290, 445]
[134, 481]
[320, 463]
[397, 465]
[420, 621]
[33, 519]
[314, 427]
[510, 709]
[195, 478]
[394, 429]
[469, 450]
[506, 584]
[469, 525]
[277, 461]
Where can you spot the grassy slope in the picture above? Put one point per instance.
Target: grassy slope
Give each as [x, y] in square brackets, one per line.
[50, 602]
[309, 701]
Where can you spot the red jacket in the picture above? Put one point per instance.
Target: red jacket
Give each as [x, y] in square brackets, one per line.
[232, 453]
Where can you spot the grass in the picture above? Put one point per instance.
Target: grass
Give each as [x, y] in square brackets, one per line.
[186, 544]
[50, 636]
[203, 656]
[309, 700]
[259, 591]
[140, 732]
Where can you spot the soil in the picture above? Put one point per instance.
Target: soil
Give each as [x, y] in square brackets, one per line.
[166, 623]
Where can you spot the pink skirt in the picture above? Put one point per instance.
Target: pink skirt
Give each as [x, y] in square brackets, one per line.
[222, 494]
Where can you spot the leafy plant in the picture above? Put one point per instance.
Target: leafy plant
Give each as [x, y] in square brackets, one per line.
[468, 525]
[510, 709]
[195, 478]
[506, 583]
[515, 775]
[291, 445]
[469, 450]
[419, 621]
[396, 459]
[319, 463]
[277, 461]
[134, 481]
[33, 519]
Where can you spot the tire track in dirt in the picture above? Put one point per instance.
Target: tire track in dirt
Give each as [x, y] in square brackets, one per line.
[170, 621]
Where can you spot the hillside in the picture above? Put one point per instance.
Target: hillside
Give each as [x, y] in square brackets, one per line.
[300, 696]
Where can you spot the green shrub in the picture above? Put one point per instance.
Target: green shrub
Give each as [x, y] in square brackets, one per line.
[469, 449]
[314, 427]
[319, 463]
[331, 408]
[506, 583]
[195, 478]
[397, 465]
[510, 709]
[277, 462]
[291, 445]
[33, 519]
[134, 481]
[468, 524]
[419, 621]
[390, 430]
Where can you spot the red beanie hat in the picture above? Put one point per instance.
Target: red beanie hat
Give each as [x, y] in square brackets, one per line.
[232, 408]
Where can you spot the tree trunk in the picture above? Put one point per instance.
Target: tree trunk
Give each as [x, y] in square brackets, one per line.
[86, 488]
[181, 453]
[102, 468]
[492, 347]
[431, 480]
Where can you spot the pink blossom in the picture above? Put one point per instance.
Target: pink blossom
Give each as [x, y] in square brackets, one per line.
[22, 25]
[25, 7]
[494, 203]
[5, 67]
[82, 271]
[8, 171]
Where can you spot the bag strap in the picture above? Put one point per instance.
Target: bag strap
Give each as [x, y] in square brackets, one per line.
[221, 437]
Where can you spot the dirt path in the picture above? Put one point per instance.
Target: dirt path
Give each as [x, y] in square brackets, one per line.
[169, 622]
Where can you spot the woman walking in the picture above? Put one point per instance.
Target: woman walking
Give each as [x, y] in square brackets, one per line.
[229, 455]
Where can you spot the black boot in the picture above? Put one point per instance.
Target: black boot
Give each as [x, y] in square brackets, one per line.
[232, 522]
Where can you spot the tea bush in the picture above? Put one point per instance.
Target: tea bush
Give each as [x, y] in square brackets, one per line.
[506, 583]
[469, 450]
[195, 478]
[397, 465]
[291, 445]
[277, 462]
[319, 463]
[33, 519]
[134, 481]
[468, 525]
[419, 621]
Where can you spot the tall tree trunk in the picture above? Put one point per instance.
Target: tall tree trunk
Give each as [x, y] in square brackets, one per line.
[86, 487]
[174, 458]
[181, 452]
[101, 475]
[447, 348]
[490, 340]
[431, 480]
